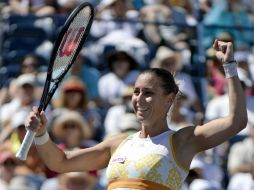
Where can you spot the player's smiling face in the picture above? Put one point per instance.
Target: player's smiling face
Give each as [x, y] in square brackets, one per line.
[149, 101]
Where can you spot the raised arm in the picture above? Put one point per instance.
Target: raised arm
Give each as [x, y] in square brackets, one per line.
[88, 159]
[215, 132]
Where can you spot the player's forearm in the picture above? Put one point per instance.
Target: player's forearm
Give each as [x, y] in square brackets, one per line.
[52, 156]
[237, 104]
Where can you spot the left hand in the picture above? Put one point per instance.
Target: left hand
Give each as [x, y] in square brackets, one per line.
[224, 51]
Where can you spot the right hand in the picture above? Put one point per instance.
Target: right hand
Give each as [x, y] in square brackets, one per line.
[36, 122]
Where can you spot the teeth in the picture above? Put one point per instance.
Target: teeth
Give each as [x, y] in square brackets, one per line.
[140, 109]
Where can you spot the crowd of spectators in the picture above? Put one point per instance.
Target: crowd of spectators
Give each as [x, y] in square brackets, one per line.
[93, 101]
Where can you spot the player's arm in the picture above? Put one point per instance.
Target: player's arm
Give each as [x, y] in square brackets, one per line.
[93, 158]
[215, 132]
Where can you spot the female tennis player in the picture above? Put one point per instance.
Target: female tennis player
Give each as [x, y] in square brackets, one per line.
[155, 157]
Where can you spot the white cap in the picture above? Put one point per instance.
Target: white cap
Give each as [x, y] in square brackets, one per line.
[26, 79]
[129, 121]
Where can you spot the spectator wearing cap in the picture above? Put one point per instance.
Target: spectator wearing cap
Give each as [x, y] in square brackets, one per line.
[122, 73]
[73, 96]
[24, 97]
[32, 64]
[8, 164]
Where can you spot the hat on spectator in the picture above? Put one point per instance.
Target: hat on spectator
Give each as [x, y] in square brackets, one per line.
[164, 53]
[26, 79]
[73, 84]
[129, 121]
[21, 183]
[73, 117]
[121, 55]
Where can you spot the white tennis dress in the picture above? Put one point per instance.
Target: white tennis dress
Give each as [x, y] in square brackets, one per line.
[145, 164]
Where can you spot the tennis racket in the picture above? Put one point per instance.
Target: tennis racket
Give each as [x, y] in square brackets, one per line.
[66, 48]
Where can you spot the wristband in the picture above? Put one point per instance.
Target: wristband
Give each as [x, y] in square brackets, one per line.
[41, 139]
[230, 69]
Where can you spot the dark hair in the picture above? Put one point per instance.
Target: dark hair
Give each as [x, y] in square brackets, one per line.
[167, 79]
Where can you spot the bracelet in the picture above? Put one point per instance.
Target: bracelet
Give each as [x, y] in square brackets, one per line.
[41, 139]
[230, 69]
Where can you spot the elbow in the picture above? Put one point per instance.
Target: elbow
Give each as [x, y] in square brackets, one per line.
[244, 121]
[241, 121]
[57, 166]
[54, 168]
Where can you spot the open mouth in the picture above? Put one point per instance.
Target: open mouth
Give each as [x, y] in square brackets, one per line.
[142, 109]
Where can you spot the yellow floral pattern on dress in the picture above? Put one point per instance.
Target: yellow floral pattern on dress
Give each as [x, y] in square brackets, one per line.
[152, 161]
[174, 178]
[147, 168]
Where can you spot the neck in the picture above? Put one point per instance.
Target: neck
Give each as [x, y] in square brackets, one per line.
[153, 130]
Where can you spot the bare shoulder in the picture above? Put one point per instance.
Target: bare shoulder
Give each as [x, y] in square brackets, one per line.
[115, 140]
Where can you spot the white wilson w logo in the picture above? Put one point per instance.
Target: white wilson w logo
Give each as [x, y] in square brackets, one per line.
[70, 41]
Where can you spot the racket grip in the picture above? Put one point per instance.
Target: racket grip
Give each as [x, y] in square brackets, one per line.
[25, 146]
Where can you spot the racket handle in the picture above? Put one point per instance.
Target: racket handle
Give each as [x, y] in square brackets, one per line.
[25, 146]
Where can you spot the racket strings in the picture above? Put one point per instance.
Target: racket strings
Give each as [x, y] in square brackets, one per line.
[71, 41]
